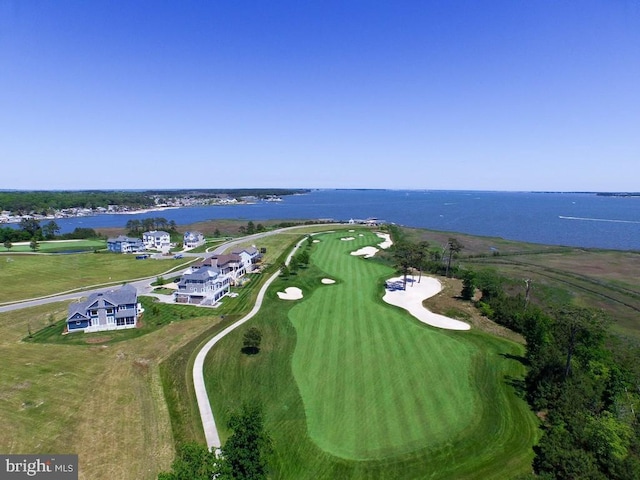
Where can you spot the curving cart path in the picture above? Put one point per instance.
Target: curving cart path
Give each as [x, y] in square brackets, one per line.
[204, 405]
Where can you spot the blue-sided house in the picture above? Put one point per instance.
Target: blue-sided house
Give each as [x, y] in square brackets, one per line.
[123, 244]
[113, 310]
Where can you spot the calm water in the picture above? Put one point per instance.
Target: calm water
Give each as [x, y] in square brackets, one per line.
[582, 220]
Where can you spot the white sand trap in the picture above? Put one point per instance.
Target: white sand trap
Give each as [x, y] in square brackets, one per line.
[411, 300]
[361, 234]
[328, 281]
[346, 239]
[316, 241]
[351, 231]
[387, 240]
[290, 293]
[366, 252]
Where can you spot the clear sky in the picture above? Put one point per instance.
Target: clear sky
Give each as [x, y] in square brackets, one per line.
[485, 95]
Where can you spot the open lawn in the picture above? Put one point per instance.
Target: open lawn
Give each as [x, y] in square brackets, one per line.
[25, 276]
[54, 246]
[355, 388]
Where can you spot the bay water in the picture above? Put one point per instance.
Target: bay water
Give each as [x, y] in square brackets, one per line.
[572, 219]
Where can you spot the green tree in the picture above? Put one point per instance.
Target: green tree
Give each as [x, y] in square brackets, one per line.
[420, 255]
[50, 230]
[34, 245]
[193, 462]
[8, 244]
[454, 247]
[284, 270]
[30, 225]
[578, 327]
[468, 285]
[251, 228]
[216, 233]
[133, 227]
[245, 452]
[404, 257]
[251, 341]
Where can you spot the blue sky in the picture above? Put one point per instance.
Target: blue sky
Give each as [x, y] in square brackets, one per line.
[495, 95]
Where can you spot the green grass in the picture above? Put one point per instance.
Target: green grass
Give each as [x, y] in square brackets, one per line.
[58, 246]
[155, 316]
[354, 388]
[28, 276]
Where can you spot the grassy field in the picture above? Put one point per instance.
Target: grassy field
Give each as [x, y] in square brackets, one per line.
[354, 388]
[26, 276]
[104, 402]
[58, 246]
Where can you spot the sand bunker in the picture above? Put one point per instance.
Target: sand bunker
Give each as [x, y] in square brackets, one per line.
[411, 300]
[328, 281]
[366, 252]
[387, 240]
[346, 239]
[290, 293]
[316, 241]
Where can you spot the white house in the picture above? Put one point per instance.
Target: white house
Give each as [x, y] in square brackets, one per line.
[156, 240]
[249, 255]
[193, 239]
[203, 286]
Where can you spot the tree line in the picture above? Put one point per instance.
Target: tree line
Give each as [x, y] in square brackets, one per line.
[137, 227]
[31, 230]
[45, 202]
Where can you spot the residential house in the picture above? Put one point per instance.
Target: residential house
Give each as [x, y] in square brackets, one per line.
[231, 264]
[123, 244]
[193, 239]
[204, 285]
[113, 310]
[157, 240]
[250, 256]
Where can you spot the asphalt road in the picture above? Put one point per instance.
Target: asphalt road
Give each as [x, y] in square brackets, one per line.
[143, 286]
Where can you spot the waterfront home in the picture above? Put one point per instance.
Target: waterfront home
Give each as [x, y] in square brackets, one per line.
[192, 239]
[203, 286]
[123, 244]
[235, 265]
[250, 256]
[113, 310]
[157, 240]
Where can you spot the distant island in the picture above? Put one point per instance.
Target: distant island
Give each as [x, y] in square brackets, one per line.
[43, 205]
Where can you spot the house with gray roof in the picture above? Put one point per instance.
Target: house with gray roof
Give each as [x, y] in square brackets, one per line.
[124, 244]
[157, 240]
[192, 239]
[205, 285]
[112, 310]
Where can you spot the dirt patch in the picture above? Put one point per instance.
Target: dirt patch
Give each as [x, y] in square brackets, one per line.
[448, 301]
[98, 340]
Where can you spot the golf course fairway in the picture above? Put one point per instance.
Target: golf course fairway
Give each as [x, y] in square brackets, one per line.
[355, 388]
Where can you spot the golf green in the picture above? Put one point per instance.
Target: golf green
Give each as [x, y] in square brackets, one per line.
[374, 382]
